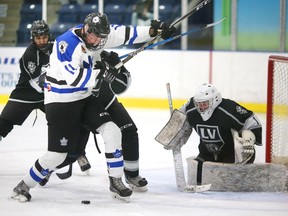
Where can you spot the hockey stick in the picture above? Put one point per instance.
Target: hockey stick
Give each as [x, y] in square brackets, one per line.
[182, 186]
[67, 174]
[205, 26]
[149, 43]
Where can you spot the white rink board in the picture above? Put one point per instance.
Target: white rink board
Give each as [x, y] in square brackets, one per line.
[241, 76]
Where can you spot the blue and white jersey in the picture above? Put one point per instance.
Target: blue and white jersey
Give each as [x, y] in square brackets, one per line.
[70, 77]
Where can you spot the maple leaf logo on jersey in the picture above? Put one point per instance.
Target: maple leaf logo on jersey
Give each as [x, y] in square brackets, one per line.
[63, 141]
[62, 46]
[241, 110]
[31, 67]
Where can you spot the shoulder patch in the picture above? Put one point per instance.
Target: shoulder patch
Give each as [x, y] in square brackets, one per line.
[31, 67]
[241, 110]
[83, 49]
[62, 46]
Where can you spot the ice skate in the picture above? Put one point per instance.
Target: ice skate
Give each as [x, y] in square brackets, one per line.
[119, 190]
[21, 192]
[45, 180]
[84, 164]
[137, 183]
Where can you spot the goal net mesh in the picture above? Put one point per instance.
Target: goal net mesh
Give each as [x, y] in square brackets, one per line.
[277, 111]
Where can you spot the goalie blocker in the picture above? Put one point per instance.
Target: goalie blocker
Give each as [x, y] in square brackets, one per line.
[176, 132]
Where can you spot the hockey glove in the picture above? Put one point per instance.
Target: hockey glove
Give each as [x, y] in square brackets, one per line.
[112, 58]
[41, 81]
[107, 72]
[163, 27]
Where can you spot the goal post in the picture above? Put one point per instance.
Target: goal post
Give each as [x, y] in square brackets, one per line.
[277, 110]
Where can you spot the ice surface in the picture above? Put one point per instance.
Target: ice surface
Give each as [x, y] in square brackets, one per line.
[20, 149]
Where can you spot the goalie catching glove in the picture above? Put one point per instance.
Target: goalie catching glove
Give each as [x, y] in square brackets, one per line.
[158, 26]
[244, 146]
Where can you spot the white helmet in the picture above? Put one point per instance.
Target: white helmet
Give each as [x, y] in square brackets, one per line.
[206, 99]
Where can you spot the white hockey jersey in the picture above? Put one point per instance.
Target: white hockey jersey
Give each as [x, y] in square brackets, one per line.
[70, 77]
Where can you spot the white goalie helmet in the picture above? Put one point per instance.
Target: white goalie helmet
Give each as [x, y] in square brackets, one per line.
[206, 99]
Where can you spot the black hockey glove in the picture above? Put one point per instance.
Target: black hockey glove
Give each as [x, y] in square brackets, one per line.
[112, 58]
[107, 72]
[159, 26]
[41, 81]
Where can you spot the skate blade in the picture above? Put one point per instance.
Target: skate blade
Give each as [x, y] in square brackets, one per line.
[138, 189]
[19, 197]
[87, 172]
[118, 197]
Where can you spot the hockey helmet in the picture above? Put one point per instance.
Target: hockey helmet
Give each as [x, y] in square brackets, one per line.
[40, 28]
[206, 99]
[97, 24]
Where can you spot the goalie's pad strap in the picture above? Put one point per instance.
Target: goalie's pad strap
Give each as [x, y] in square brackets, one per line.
[176, 132]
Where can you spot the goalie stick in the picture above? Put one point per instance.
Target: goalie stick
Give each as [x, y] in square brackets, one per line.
[149, 43]
[182, 186]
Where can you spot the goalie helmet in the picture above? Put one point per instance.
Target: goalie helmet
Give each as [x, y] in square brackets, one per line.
[97, 24]
[40, 28]
[206, 99]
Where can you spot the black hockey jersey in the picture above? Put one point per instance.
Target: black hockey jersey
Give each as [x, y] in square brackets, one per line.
[215, 133]
[27, 89]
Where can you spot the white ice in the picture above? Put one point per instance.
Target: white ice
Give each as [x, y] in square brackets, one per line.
[20, 149]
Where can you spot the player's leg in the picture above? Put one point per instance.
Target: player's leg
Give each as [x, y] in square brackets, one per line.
[98, 120]
[130, 145]
[14, 113]
[64, 120]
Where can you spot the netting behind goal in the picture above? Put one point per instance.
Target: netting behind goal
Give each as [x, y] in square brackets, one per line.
[277, 110]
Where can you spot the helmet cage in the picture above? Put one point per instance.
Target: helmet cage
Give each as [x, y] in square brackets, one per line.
[206, 99]
[97, 24]
[40, 28]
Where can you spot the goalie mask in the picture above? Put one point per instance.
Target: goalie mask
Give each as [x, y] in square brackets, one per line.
[40, 28]
[206, 99]
[95, 31]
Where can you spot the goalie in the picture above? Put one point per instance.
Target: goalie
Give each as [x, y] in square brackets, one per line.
[228, 131]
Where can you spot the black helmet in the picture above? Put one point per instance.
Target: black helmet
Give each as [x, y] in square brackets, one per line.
[39, 28]
[98, 24]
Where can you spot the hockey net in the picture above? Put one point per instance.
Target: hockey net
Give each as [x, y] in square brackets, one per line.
[277, 111]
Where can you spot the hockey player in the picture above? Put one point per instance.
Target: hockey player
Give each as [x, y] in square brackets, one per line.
[218, 121]
[74, 77]
[119, 115]
[28, 94]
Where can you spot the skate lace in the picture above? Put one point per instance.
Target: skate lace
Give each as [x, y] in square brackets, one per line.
[134, 180]
[21, 187]
[117, 183]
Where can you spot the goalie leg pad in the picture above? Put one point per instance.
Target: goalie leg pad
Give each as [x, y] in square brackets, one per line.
[176, 132]
[192, 166]
[245, 177]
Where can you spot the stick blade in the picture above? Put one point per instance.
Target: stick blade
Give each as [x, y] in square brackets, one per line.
[197, 188]
[65, 175]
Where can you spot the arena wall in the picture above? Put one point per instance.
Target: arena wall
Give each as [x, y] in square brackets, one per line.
[241, 76]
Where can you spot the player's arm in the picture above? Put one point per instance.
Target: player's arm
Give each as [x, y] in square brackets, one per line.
[128, 35]
[253, 124]
[29, 66]
[119, 79]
